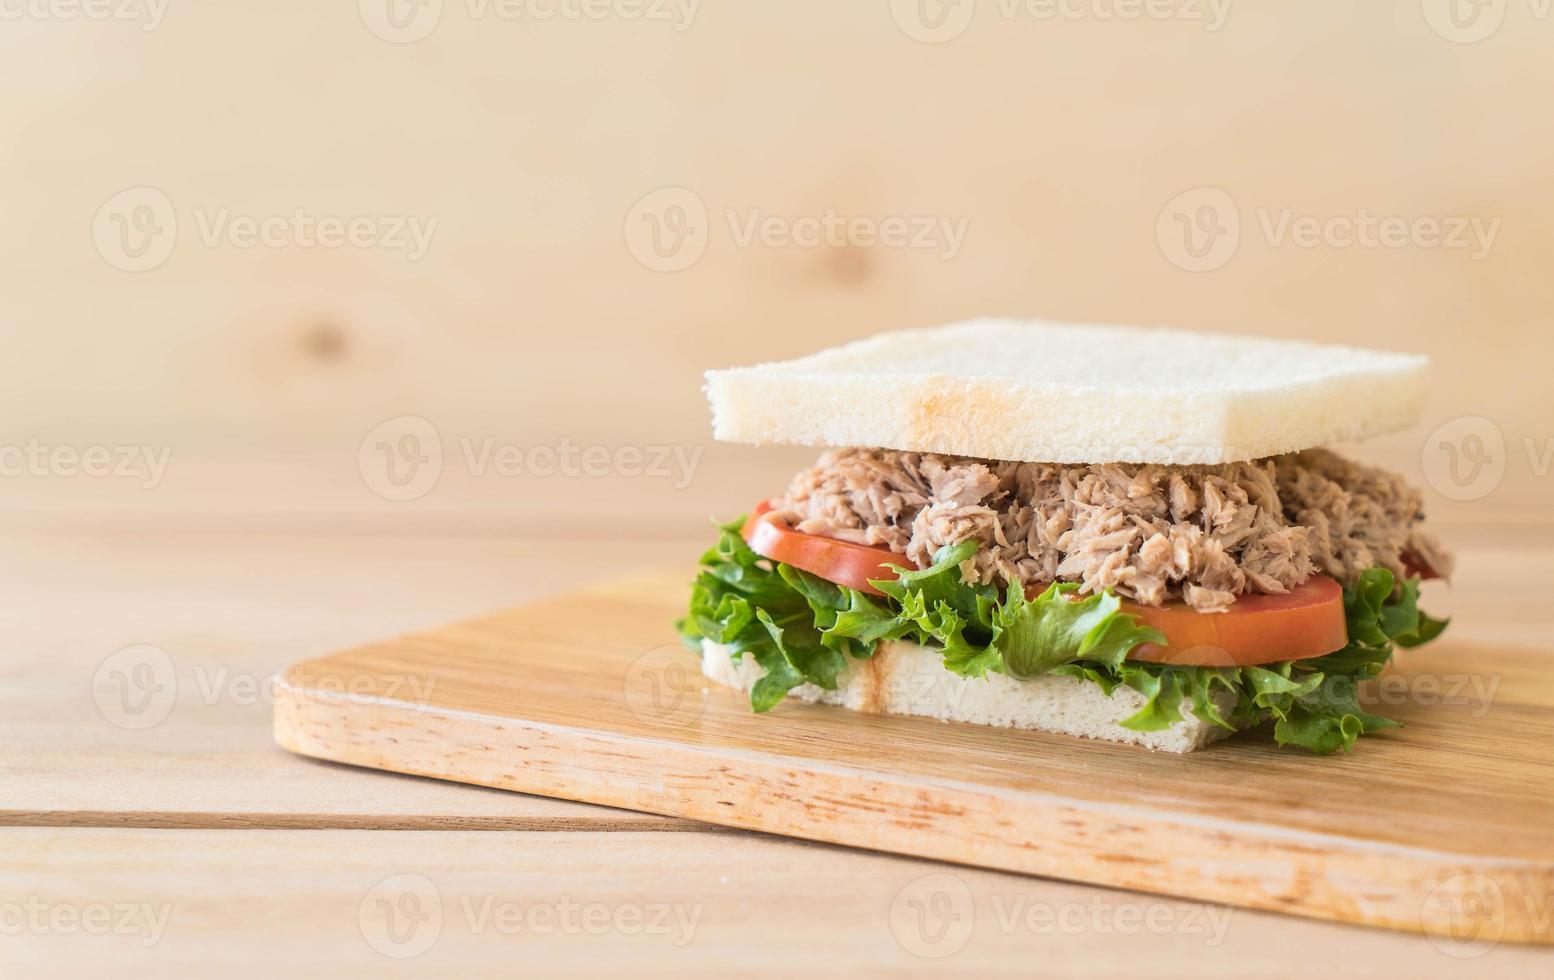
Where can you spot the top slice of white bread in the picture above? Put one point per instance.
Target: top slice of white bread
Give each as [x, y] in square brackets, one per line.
[1068, 393]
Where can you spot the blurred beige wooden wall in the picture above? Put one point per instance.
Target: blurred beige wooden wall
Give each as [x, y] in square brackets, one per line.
[1209, 164]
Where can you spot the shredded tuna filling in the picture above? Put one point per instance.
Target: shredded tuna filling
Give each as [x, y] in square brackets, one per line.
[1202, 534]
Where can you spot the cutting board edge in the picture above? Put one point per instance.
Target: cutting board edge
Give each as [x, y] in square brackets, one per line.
[1253, 865]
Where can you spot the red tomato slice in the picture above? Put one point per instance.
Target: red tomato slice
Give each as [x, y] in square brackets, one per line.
[1306, 622]
[842, 562]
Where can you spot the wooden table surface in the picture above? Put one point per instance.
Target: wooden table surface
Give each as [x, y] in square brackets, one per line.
[193, 846]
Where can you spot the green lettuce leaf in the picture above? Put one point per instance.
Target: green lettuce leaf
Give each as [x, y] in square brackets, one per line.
[803, 629]
[1052, 630]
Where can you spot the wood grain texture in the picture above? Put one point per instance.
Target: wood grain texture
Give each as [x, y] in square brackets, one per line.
[230, 610]
[303, 903]
[529, 279]
[588, 697]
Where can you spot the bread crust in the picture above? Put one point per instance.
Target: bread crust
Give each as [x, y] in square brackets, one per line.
[1033, 391]
[904, 678]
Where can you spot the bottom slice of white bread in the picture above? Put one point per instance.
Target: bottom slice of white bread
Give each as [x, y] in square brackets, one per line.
[909, 679]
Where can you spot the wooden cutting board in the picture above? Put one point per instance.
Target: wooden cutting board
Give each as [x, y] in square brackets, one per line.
[1445, 826]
